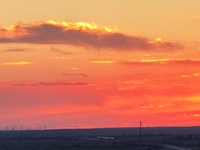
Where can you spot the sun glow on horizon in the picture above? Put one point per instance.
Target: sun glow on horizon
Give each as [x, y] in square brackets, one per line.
[159, 40]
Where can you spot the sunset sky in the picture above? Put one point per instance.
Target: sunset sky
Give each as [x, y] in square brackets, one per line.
[107, 63]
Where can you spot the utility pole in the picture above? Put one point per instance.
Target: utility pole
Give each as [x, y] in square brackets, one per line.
[14, 126]
[140, 130]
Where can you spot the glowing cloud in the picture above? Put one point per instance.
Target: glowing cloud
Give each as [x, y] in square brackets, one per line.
[163, 61]
[74, 68]
[80, 34]
[103, 61]
[17, 63]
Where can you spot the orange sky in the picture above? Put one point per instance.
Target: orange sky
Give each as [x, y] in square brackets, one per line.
[102, 70]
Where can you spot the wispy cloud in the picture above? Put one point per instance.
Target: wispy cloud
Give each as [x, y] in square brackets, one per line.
[75, 74]
[81, 34]
[19, 84]
[74, 68]
[23, 84]
[58, 57]
[16, 63]
[103, 61]
[60, 51]
[60, 84]
[16, 50]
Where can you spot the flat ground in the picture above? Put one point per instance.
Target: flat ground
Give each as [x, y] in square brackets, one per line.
[98, 139]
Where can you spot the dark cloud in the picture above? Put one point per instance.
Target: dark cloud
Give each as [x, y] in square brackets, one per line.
[81, 34]
[75, 74]
[5, 39]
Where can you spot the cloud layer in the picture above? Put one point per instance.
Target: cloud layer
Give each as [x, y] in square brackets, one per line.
[80, 34]
[167, 61]
[24, 84]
